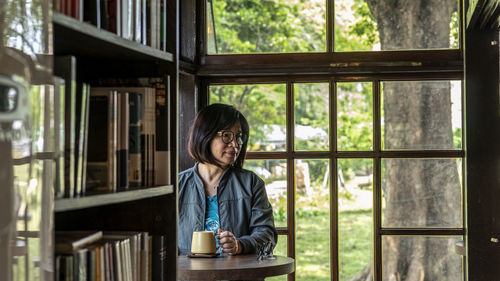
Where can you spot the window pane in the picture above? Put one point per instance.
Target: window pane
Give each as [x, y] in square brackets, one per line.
[312, 219]
[273, 172]
[355, 205]
[421, 115]
[421, 258]
[354, 116]
[395, 25]
[311, 116]
[264, 106]
[266, 26]
[280, 250]
[421, 193]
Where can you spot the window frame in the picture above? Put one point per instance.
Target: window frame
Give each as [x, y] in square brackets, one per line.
[377, 154]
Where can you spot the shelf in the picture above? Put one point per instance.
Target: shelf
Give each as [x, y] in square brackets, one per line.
[70, 204]
[88, 41]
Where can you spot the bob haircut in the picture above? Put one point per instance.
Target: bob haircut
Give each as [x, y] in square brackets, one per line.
[207, 123]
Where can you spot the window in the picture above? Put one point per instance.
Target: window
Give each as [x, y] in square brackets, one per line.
[289, 26]
[365, 176]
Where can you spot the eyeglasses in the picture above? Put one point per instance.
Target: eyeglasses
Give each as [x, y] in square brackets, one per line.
[228, 136]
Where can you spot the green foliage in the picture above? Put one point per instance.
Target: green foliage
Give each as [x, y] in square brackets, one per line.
[365, 27]
[457, 138]
[248, 26]
[454, 30]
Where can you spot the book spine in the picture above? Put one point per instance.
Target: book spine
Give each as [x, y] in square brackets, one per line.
[162, 153]
[85, 132]
[158, 256]
[163, 25]
[135, 121]
[66, 69]
[124, 114]
[59, 131]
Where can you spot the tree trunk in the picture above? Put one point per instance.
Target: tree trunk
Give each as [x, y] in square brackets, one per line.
[423, 192]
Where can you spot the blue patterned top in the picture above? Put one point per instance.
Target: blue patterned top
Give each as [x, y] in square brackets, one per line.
[212, 216]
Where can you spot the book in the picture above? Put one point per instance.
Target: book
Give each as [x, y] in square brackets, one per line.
[133, 250]
[102, 141]
[162, 150]
[59, 132]
[70, 241]
[92, 12]
[123, 140]
[158, 258]
[127, 19]
[113, 16]
[163, 26]
[81, 128]
[65, 67]
[135, 121]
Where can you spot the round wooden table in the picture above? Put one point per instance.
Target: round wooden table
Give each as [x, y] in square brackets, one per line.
[239, 267]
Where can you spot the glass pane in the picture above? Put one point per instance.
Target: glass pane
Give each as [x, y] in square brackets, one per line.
[266, 26]
[311, 116]
[264, 106]
[421, 193]
[387, 25]
[312, 219]
[422, 115]
[280, 250]
[354, 116]
[355, 206]
[421, 258]
[273, 172]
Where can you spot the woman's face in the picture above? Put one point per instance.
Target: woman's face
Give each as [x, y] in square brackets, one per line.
[226, 154]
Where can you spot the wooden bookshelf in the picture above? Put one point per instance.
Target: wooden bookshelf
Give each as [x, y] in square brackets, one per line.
[70, 204]
[91, 42]
[100, 54]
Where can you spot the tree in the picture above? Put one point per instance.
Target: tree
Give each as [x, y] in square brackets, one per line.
[417, 116]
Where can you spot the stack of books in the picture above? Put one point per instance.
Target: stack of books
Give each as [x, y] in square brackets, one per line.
[109, 256]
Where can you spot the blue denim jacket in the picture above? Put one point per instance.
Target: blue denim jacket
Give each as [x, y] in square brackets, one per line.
[244, 208]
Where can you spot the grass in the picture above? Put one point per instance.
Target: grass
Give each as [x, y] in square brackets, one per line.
[313, 245]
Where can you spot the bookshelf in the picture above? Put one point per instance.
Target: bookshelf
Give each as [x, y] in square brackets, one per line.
[100, 54]
[71, 204]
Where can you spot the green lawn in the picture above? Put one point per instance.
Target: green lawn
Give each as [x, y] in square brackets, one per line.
[313, 245]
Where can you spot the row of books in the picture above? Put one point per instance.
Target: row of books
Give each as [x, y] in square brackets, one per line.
[143, 21]
[109, 256]
[115, 134]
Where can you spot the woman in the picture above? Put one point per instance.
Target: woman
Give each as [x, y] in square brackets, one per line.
[217, 194]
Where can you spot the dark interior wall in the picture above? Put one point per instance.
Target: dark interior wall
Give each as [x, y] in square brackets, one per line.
[483, 153]
[188, 107]
[188, 31]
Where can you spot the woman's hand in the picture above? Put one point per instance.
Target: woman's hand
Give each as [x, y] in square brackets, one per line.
[229, 243]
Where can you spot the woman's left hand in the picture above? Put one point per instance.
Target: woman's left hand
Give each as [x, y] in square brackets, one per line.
[228, 242]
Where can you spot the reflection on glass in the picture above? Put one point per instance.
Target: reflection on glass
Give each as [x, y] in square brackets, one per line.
[266, 26]
[362, 25]
[311, 116]
[355, 213]
[421, 193]
[424, 115]
[280, 250]
[8, 99]
[26, 27]
[421, 258]
[273, 172]
[312, 219]
[264, 106]
[354, 116]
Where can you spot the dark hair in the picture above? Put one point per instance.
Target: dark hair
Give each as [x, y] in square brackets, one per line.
[205, 126]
